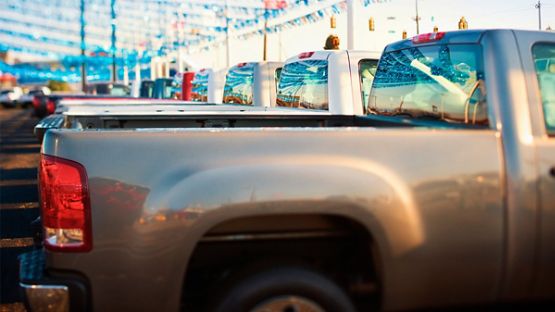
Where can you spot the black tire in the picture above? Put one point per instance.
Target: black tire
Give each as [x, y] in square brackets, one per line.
[274, 285]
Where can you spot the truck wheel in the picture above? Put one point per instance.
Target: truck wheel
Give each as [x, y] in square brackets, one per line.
[285, 290]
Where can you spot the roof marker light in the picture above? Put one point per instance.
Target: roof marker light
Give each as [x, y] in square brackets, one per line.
[429, 37]
[306, 55]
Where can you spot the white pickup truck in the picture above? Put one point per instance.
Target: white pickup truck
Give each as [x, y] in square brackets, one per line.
[335, 80]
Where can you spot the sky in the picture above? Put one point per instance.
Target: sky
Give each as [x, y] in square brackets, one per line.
[391, 18]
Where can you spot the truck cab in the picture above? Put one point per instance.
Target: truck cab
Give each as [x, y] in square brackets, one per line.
[252, 83]
[332, 80]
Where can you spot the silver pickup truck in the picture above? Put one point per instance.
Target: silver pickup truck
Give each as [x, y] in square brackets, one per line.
[444, 194]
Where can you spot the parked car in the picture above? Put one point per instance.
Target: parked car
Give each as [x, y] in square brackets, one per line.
[10, 97]
[27, 99]
[444, 194]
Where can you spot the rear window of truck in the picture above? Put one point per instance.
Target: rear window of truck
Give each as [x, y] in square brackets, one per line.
[435, 82]
[304, 84]
[544, 58]
[199, 90]
[239, 84]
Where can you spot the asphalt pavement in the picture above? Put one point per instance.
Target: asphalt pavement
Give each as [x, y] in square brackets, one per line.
[19, 156]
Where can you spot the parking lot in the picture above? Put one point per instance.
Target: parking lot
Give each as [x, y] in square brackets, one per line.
[277, 155]
[19, 154]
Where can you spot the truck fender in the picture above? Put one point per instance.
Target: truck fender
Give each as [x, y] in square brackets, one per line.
[366, 192]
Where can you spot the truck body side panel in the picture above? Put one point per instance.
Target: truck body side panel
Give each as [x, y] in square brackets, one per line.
[431, 199]
[545, 148]
[510, 113]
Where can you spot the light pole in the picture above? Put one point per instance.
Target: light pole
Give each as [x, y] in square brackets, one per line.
[417, 18]
[352, 6]
[226, 14]
[113, 47]
[83, 61]
[265, 53]
[539, 7]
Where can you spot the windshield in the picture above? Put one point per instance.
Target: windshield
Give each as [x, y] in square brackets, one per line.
[199, 90]
[304, 84]
[238, 84]
[442, 82]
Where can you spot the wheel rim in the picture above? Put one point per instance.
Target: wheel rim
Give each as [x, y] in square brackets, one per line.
[288, 304]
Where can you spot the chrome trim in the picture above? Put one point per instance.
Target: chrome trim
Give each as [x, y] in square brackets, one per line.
[273, 236]
[46, 298]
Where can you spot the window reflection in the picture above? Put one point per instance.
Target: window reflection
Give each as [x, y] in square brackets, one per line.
[238, 87]
[443, 82]
[304, 84]
[199, 90]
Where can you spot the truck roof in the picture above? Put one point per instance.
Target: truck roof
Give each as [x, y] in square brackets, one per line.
[324, 54]
[453, 37]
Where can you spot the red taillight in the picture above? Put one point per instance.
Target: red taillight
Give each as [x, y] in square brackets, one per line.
[36, 102]
[306, 55]
[429, 37]
[50, 106]
[65, 205]
[241, 64]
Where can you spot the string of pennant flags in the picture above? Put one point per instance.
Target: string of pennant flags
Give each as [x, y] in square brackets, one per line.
[148, 28]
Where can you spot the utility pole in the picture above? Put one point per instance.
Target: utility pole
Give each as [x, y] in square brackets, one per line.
[83, 61]
[113, 48]
[417, 19]
[226, 14]
[351, 23]
[265, 53]
[539, 7]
